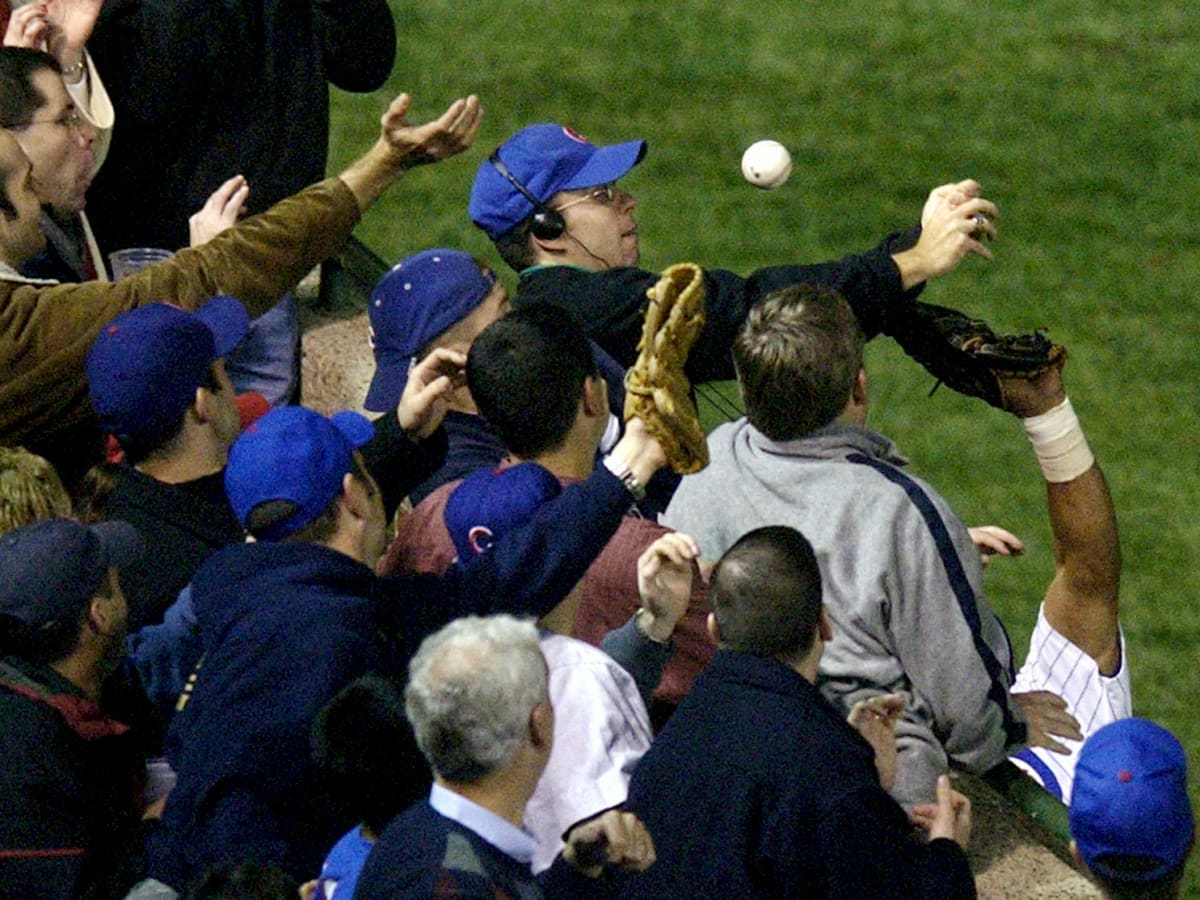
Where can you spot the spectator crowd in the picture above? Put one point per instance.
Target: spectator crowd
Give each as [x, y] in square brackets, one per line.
[487, 643]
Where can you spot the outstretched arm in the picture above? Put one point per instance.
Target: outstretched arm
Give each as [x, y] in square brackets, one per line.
[401, 146]
[1081, 601]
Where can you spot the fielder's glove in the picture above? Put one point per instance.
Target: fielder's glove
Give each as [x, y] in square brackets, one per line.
[656, 389]
[966, 355]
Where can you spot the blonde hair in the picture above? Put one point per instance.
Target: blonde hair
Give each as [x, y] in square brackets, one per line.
[30, 489]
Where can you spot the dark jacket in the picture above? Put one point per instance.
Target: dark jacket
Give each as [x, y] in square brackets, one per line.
[784, 800]
[284, 627]
[181, 524]
[205, 91]
[69, 791]
[422, 854]
[611, 305]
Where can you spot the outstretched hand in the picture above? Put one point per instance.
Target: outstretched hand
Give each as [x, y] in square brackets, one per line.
[953, 194]
[221, 210]
[415, 145]
[430, 384]
[1046, 717]
[955, 222]
[664, 574]
[402, 145]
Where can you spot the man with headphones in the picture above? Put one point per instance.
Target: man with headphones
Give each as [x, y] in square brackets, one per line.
[548, 199]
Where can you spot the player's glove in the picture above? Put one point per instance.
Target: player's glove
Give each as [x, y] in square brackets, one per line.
[656, 389]
[965, 353]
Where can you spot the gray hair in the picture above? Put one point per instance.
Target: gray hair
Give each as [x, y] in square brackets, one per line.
[471, 689]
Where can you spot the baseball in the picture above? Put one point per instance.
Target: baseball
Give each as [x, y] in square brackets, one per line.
[766, 164]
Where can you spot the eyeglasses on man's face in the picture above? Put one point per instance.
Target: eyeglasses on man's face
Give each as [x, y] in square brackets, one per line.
[604, 195]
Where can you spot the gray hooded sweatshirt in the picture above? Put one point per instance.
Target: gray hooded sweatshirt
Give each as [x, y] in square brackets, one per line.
[901, 585]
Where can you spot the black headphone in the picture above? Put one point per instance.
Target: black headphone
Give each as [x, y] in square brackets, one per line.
[546, 224]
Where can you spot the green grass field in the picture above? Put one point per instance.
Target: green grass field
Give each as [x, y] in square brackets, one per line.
[1080, 120]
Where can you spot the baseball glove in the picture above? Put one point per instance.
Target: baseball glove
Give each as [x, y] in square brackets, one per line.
[656, 389]
[967, 355]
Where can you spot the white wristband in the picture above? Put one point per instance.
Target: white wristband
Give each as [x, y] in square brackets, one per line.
[1058, 442]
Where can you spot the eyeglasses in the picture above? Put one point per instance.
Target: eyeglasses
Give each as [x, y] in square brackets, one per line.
[69, 119]
[604, 195]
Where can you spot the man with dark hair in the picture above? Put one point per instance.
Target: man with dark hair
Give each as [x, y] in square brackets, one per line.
[479, 703]
[60, 143]
[47, 329]
[758, 787]
[533, 378]
[289, 619]
[902, 575]
[549, 200]
[157, 381]
[1132, 827]
[70, 781]
[512, 382]
[766, 594]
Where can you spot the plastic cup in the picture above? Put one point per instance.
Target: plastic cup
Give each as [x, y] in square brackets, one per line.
[133, 259]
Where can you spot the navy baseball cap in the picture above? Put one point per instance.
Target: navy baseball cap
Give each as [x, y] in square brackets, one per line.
[145, 365]
[1130, 799]
[418, 299]
[50, 568]
[546, 159]
[489, 503]
[293, 454]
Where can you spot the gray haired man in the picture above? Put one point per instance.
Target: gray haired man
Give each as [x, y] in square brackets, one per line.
[478, 702]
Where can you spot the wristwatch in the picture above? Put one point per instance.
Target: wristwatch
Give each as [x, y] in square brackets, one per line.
[621, 469]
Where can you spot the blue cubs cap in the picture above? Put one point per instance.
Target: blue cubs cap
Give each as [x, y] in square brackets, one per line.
[292, 454]
[418, 299]
[546, 159]
[145, 365]
[1130, 800]
[50, 568]
[488, 503]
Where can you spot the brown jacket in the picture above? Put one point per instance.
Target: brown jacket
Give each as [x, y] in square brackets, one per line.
[46, 331]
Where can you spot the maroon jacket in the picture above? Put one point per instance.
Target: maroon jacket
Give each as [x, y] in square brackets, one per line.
[610, 591]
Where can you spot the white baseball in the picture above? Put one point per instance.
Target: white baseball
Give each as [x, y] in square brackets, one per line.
[766, 164]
